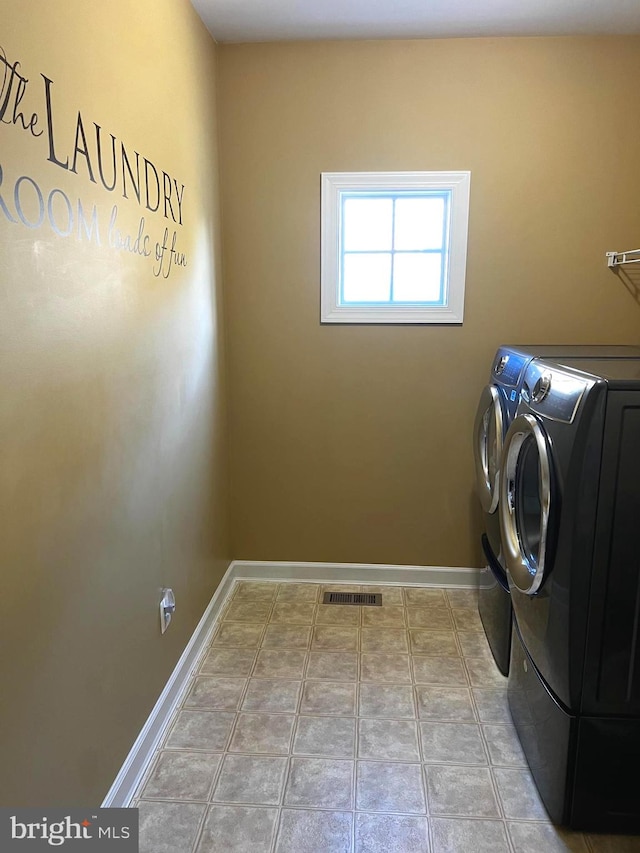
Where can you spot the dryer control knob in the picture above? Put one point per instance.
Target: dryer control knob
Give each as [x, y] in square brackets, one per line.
[541, 388]
[502, 363]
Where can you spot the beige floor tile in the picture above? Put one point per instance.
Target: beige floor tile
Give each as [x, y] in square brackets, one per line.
[452, 743]
[325, 736]
[228, 662]
[262, 733]
[328, 697]
[248, 611]
[504, 746]
[334, 638]
[286, 637]
[169, 827]
[475, 836]
[181, 776]
[474, 644]
[339, 587]
[462, 597]
[293, 613]
[492, 704]
[388, 667]
[384, 640]
[333, 666]
[383, 833]
[484, 673]
[295, 743]
[463, 791]
[377, 617]
[256, 779]
[438, 643]
[430, 618]
[215, 692]
[238, 829]
[255, 591]
[298, 592]
[320, 782]
[391, 595]
[390, 787]
[444, 703]
[388, 740]
[467, 618]
[279, 664]
[206, 730]
[547, 838]
[417, 597]
[447, 671]
[392, 701]
[303, 831]
[238, 635]
[272, 695]
[519, 795]
[345, 615]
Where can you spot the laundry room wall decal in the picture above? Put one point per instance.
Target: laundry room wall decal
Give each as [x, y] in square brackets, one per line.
[96, 156]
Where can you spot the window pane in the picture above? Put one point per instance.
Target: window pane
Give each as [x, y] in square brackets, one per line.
[366, 278]
[367, 224]
[417, 278]
[419, 223]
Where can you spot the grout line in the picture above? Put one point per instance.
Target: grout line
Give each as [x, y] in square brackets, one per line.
[200, 829]
[356, 741]
[416, 711]
[216, 777]
[439, 815]
[296, 807]
[294, 728]
[421, 753]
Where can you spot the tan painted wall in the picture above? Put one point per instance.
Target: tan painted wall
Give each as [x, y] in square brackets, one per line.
[353, 443]
[112, 454]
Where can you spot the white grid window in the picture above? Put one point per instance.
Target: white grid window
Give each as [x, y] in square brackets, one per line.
[394, 247]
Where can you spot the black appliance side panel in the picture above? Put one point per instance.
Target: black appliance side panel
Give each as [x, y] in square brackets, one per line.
[494, 606]
[606, 793]
[612, 661]
[546, 732]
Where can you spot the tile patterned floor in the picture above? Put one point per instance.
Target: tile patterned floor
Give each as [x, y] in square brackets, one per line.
[340, 729]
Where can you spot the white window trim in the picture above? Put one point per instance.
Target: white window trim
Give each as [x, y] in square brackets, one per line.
[333, 184]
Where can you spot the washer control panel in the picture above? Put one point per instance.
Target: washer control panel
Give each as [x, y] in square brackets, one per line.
[552, 392]
[508, 366]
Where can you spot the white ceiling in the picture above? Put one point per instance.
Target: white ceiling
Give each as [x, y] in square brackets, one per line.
[285, 20]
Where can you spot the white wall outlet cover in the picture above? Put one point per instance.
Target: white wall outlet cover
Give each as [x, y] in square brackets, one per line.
[167, 608]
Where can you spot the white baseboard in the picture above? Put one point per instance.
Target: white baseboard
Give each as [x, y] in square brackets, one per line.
[131, 773]
[126, 783]
[361, 573]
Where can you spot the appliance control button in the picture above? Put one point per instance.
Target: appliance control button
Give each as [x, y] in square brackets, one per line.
[500, 366]
[541, 388]
[524, 666]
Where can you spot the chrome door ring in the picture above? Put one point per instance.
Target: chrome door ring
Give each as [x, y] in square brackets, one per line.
[489, 407]
[527, 578]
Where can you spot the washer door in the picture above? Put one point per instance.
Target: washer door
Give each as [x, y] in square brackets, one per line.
[526, 503]
[488, 434]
